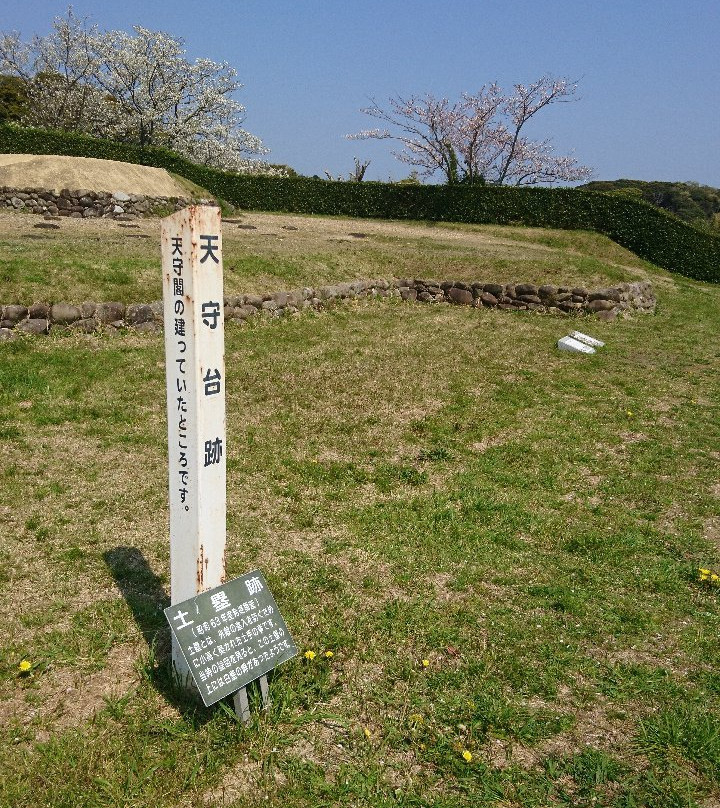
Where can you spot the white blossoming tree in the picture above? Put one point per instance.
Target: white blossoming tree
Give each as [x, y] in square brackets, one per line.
[479, 138]
[138, 88]
[58, 72]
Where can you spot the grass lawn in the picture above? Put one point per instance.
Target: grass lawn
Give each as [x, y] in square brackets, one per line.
[491, 547]
[103, 260]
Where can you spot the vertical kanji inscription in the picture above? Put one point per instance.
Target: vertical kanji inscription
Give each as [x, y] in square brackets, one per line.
[195, 373]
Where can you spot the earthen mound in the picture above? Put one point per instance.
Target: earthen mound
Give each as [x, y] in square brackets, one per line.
[55, 173]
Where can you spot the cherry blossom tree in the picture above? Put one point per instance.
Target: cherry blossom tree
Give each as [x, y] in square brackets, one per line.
[138, 88]
[481, 137]
[58, 72]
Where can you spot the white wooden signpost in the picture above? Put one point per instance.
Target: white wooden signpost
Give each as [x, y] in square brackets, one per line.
[191, 243]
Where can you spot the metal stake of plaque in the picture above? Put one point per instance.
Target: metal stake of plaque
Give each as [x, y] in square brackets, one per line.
[241, 704]
[242, 707]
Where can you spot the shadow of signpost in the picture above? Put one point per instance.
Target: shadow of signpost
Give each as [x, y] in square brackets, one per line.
[144, 593]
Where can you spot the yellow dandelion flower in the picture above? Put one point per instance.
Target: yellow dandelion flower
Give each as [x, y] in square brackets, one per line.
[703, 571]
[25, 666]
[329, 655]
[423, 747]
[629, 413]
[416, 718]
[426, 663]
[715, 578]
[367, 732]
[467, 756]
[310, 655]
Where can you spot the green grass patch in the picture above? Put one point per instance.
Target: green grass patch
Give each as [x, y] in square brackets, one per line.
[498, 545]
[107, 260]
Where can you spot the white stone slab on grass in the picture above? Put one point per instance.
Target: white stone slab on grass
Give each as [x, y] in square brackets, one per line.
[580, 337]
[574, 346]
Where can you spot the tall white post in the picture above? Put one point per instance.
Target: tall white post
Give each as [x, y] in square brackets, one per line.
[195, 369]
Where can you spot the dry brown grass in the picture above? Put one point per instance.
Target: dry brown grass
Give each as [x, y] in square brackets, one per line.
[56, 172]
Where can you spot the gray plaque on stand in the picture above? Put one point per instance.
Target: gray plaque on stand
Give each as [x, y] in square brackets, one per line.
[231, 635]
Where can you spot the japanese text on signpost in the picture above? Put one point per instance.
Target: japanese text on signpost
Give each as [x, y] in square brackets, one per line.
[231, 635]
[195, 375]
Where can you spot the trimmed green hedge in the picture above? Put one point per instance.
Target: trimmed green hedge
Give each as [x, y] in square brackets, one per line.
[650, 233]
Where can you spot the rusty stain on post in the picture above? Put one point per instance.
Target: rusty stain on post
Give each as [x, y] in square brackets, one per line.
[200, 569]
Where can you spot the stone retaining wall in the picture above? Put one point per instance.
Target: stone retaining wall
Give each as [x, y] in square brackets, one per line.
[85, 204]
[607, 304]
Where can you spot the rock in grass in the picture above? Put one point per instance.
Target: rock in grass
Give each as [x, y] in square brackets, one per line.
[39, 311]
[110, 312]
[460, 297]
[34, 326]
[14, 313]
[87, 325]
[600, 305]
[139, 313]
[148, 327]
[65, 313]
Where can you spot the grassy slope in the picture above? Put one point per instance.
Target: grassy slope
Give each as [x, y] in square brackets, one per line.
[418, 483]
[101, 260]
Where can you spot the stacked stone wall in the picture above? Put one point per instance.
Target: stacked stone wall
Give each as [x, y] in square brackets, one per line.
[83, 203]
[607, 304]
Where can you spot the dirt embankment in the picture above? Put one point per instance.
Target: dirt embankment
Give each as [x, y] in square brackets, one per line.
[55, 173]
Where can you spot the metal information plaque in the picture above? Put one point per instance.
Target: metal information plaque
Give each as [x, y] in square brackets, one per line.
[230, 635]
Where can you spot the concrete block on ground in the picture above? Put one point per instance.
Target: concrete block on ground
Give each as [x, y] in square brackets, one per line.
[574, 346]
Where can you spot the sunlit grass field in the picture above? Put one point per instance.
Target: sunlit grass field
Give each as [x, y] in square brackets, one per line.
[492, 548]
[104, 260]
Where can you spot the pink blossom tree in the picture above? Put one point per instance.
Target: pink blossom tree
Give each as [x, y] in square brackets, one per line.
[479, 138]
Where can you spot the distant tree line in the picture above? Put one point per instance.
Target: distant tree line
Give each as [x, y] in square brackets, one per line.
[690, 201]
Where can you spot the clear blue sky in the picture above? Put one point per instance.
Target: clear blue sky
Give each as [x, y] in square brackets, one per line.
[649, 70]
